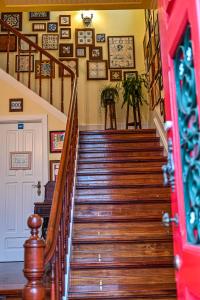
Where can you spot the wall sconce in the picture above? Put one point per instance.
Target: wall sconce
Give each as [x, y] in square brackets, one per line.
[87, 20]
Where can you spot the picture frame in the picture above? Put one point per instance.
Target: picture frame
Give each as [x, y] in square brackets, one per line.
[50, 41]
[47, 69]
[97, 70]
[39, 27]
[100, 37]
[65, 33]
[65, 20]
[56, 140]
[66, 50]
[24, 47]
[115, 75]
[85, 37]
[54, 167]
[52, 27]
[4, 42]
[72, 63]
[16, 105]
[22, 63]
[128, 74]
[39, 15]
[95, 53]
[81, 51]
[121, 52]
[14, 19]
[20, 160]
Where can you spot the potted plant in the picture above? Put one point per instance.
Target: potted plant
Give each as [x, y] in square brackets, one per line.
[109, 94]
[133, 96]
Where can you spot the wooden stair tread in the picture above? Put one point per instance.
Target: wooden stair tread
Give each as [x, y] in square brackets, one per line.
[116, 132]
[119, 146]
[125, 171]
[119, 155]
[119, 136]
[117, 140]
[121, 177]
[126, 164]
[124, 159]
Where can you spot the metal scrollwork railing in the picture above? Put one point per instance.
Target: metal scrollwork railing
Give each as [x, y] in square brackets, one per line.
[188, 116]
[168, 169]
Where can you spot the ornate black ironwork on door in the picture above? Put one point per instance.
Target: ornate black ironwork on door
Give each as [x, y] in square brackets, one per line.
[188, 119]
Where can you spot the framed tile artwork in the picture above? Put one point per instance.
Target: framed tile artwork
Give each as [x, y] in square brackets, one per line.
[50, 41]
[56, 141]
[54, 167]
[24, 47]
[95, 53]
[14, 19]
[100, 37]
[97, 70]
[66, 50]
[130, 74]
[65, 33]
[65, 20]
[16, 105]
[115, 75]
[22, 63]
[72, 63]
[4, 38]
[81, 51]
[45, 69]
[39, 26]
[121, 52]
[52, 27]
[85, 37]
[39, 15]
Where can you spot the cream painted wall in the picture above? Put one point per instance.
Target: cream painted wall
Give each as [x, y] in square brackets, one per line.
[117, 22]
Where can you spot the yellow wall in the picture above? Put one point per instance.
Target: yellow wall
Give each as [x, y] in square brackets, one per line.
[118, 22]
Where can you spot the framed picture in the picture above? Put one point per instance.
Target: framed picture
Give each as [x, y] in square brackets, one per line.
[72, 63]
[16, 105]
[14, 19]
[65, 20]
[121, 52]
[4, 38]
[65, 33]
[115, 75]
[20, 160]
[97, 70]
[23, 64]
[45, 69]
[52, 27]
[85, 37]
[39, 15]
[56, 141]
[81, 51]
[100, 37]
[39, 27]
[54, 167]
[24, 47]
[50, 41]
[130, 74]
[95, 53]
[66, 50]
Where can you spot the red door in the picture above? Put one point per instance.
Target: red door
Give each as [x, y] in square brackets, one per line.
[180, 46]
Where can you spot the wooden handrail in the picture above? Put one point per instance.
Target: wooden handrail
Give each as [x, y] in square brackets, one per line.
[42, 53]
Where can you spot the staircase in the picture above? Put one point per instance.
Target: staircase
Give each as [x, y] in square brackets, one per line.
[120, 248]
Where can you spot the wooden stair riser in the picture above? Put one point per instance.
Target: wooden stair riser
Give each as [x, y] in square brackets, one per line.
[116, 165]
[116, 132]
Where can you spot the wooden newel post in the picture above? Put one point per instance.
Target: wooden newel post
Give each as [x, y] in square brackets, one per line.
[34, 261]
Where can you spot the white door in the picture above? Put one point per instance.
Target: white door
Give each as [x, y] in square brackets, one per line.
[17, 190]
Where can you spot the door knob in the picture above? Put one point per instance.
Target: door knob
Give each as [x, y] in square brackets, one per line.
[166, 220]
[38, 186]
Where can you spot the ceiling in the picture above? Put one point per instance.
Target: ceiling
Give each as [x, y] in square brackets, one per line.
[35, 5]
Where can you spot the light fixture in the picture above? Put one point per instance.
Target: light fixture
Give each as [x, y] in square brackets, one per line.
[87, 18]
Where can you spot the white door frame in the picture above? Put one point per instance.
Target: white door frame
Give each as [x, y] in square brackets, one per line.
[8, 119]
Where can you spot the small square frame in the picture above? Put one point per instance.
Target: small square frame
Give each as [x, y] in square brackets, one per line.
[50, 41]
[72, 63]
[54, 167]
[48, 69]
[128, 74]
[66, 50]
[15, 104]
[39, 27]
[14, 19]
[22, 63]
[100, 37]
[24, 47]
[65, 33]
[39, 15]
[65, 20]
[97, 70]
[52, 27]
[115, 75]
[85, 37]
[95, 53]
[81, 51]
[56, 140]
[4, 42]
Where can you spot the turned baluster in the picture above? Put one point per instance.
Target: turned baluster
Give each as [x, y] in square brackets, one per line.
[34, 261]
